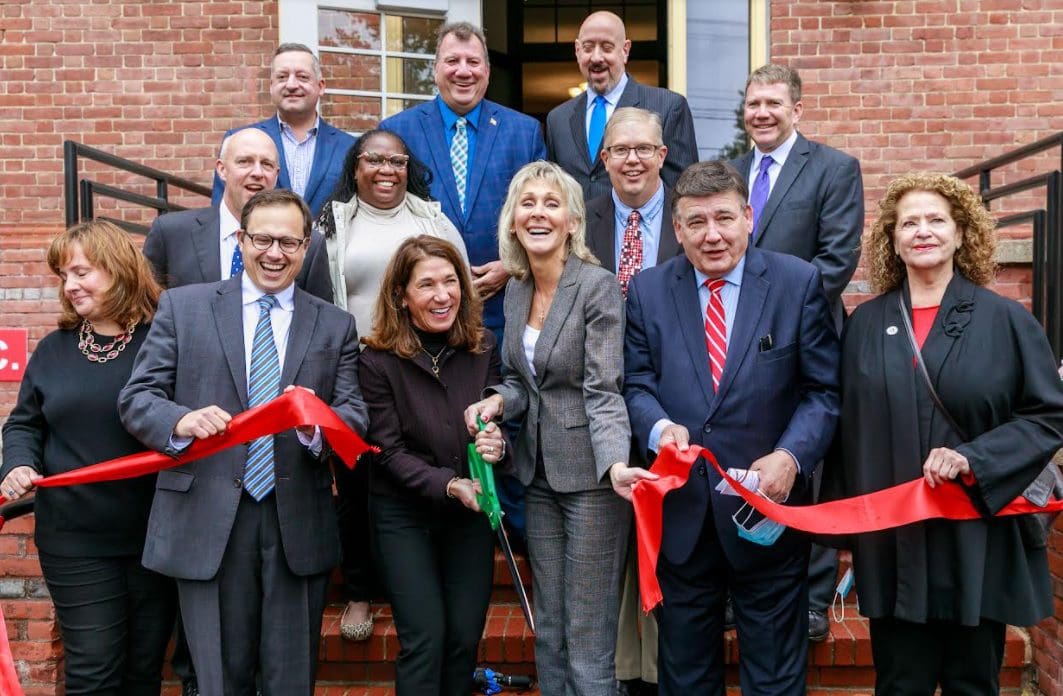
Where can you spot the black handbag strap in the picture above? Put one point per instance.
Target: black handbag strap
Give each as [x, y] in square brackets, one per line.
[922, 368]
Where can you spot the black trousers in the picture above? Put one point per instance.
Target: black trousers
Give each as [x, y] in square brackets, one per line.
[115, 617]
[912, 659]
[437, 565]
[352, 508]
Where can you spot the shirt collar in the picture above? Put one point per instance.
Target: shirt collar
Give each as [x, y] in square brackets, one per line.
[649, 211]
[285, 128]
[251, 292]
[450, 117]
[612, 96]
[732, 278]
[779, 154]
[229, 224]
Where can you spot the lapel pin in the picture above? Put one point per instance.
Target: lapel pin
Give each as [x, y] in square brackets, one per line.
[891, 330]
[493, 121]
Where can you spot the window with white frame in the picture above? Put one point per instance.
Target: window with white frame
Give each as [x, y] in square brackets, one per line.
[375, 64]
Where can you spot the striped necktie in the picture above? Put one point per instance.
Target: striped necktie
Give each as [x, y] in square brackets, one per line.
[716, 330]
[263, 385]
[459, 158]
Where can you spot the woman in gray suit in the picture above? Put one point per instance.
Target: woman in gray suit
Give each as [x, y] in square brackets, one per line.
[562, 362]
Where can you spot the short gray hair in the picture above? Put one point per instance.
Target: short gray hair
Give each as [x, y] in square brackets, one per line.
[510, 251]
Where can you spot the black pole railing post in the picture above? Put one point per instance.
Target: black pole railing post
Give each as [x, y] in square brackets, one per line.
[70, 181]
[162, 192]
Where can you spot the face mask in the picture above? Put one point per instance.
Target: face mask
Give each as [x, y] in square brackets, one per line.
[755, 527]
[845, 585]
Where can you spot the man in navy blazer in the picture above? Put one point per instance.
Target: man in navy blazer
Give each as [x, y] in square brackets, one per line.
[602, 49]
[814, 210]
[773, 412]
[311, 150]
[498, 142]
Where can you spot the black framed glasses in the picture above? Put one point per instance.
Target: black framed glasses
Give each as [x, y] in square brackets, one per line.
[643, 151]
[377, 160]
[289, 245]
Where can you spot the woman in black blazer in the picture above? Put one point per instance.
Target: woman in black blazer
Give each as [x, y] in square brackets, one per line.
[940, 593]
[428, 358]
[114, 615]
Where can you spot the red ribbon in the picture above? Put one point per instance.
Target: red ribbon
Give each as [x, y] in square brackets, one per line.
[296, 408]
[914, 501]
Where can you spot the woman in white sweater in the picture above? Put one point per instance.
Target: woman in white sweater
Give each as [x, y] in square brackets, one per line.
[381, 201]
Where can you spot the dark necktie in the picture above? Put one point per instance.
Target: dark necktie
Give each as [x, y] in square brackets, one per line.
[263, 385]
[630, 252]
[237, 262]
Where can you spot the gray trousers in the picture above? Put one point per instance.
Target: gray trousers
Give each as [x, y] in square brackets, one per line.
[576, 547]
[255, 615]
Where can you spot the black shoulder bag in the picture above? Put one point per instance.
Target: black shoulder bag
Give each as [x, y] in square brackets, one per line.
[1034, 527]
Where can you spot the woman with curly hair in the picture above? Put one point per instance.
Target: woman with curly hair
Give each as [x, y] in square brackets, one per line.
[944, 379]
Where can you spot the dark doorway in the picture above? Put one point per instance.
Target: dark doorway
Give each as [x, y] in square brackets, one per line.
[533, 63]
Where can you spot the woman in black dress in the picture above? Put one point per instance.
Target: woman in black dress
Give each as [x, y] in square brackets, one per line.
[115, 616]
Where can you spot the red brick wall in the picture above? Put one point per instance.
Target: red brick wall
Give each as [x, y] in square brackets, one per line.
[916, 84]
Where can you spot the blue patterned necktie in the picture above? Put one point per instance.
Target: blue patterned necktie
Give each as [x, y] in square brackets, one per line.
[238, 261]
[459, 158]
[596, 130]
[263, 385]
[758, 196]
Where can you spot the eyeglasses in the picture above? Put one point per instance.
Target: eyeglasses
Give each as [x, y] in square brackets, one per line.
[644, 151]
[377, 160]
[289, 245]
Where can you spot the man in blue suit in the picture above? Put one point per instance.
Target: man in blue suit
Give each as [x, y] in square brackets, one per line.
[473, 147]
[751, 331]
[311, 151]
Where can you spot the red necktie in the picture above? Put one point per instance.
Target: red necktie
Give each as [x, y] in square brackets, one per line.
[716, 330]
[630, 252]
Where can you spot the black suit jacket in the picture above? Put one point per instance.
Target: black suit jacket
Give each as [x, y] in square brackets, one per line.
[601, 231]
[566, 136]
[183, 247]
[816, 213]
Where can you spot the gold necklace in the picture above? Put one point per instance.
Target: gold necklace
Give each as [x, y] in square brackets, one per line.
[544, 305]
[435, 359]
[108, 351]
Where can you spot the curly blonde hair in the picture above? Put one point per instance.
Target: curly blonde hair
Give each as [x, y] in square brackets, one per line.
[974, 259]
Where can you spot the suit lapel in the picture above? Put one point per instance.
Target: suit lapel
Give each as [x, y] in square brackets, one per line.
[577, 122]
[692, 325]
[273, 128]
[751, 298]
[795, 162]
[938, 344]
[437, 146]
[229, 323]
[667, 244]
[206, 244]
[486, 132]
[603, 233]
[304, 317]
[323, 153]
[560, 307]
[518, 296]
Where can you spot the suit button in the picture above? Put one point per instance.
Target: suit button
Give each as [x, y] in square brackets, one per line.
[700, 471]
[455, 461]
[707, 429]
[238, 483]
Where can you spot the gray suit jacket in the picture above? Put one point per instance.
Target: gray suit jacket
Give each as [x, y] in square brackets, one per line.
[183, 249]
[601, 231]
[194, 357]
[816, 213]
[571, 408]
[566, 136]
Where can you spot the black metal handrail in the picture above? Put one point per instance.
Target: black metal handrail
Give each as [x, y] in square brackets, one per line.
[1047, 223]
[81, 194]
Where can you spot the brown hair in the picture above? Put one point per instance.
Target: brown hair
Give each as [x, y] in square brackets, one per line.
[134, 292]
[276, 197]
[300, 48]
[772, 74]
[464, 32]
[708, 178]
[974, 259]
[393, 331]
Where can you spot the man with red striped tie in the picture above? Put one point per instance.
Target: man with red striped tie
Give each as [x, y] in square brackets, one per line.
[733, 348]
